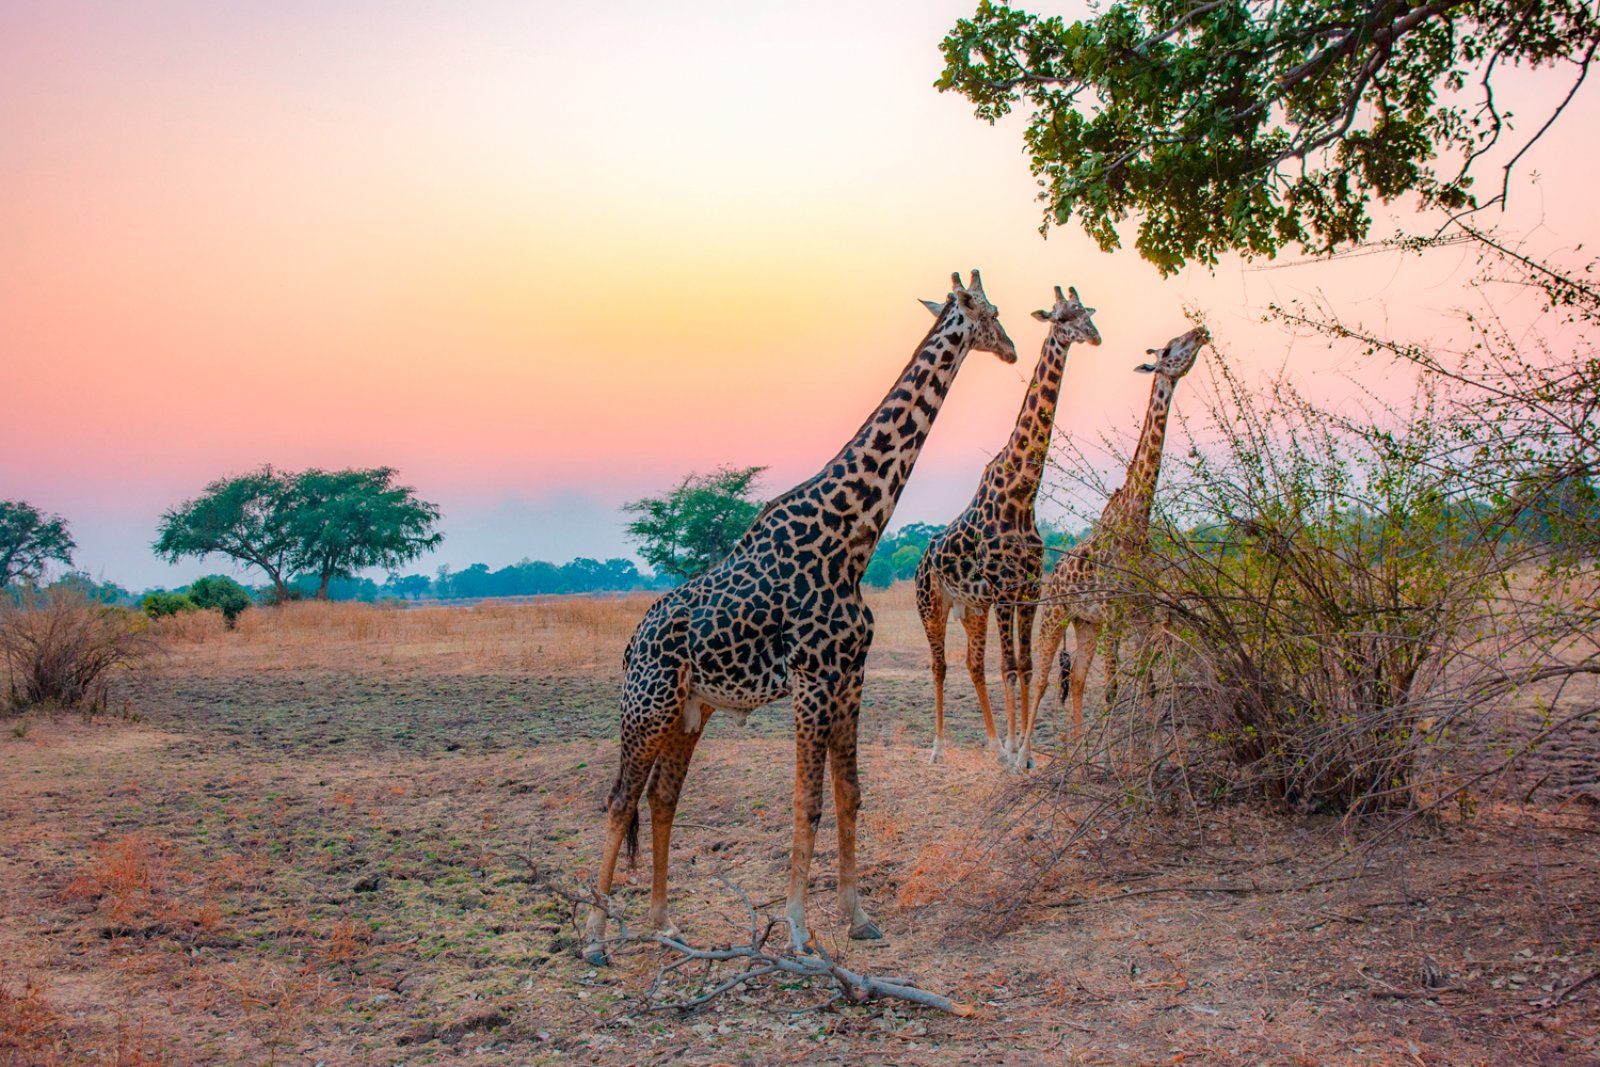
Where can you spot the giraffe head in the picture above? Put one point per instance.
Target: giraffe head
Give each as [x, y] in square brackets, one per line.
[1176, 360]
[1070, 322]
[983, 317]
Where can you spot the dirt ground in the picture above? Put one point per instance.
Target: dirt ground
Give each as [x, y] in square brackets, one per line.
[327, 838]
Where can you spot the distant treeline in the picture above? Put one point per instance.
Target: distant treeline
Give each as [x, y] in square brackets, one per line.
[532, 577]
[895, 559]
[899, 553]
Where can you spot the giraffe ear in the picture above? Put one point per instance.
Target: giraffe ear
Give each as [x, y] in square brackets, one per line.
[1042, 316]
[1146, 368]
[931, 306]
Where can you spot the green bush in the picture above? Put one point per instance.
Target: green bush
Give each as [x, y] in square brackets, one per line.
[158, 605]
[220, 593]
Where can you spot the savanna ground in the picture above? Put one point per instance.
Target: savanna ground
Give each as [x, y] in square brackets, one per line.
[327, 839]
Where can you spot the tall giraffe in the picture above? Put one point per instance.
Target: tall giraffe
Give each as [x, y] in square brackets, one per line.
[783, 615]
[1082, 588]
[992, 556]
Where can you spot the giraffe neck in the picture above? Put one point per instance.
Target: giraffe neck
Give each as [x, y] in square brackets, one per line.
[859, 487]
[1128, 512]
[1022, 461]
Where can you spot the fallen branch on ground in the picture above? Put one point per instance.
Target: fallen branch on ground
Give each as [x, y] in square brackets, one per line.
[756, 958]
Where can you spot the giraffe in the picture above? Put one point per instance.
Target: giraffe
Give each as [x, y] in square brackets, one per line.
[992, 554]
[783, 615]
[1081, 588]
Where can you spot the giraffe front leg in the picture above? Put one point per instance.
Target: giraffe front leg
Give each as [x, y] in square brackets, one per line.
[846, 805]
[1006, 625]
[811, 709]
[1051, 631]
[1084, 635]
[1024, 756]
[934, 611]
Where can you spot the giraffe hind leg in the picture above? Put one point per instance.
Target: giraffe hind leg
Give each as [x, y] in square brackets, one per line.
[976, 623]
[664, 789]
[651, 711]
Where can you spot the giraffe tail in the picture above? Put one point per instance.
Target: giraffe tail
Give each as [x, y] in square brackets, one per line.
[630, 839]
[1066, 672]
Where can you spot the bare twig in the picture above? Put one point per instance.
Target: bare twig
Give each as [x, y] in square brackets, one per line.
[758, 961]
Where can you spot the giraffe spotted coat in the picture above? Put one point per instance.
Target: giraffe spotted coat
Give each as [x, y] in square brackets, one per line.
[1084, 589]
[783, 615]
[992, 556]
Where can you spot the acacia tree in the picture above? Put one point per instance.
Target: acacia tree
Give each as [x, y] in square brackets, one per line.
[29, 540]
[686, 531]
[325, 523]
[343, 521]
[1250, 125]
[246, 518]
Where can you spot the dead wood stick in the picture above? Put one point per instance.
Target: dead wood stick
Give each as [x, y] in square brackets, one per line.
[817, 963]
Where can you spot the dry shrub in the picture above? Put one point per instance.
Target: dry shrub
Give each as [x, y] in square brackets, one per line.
[348, 941]
[127, 877]
[30, 1029]
[62, 650]
[931, 877]
[1325, 612]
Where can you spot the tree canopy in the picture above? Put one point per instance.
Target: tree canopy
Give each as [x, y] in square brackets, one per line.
[687, 530]
[1251, 125]
[246, 518]
[325, 524]
[343, 521]
[29, 540]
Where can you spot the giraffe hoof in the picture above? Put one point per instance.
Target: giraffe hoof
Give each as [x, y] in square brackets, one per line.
[937, 755]
[595, 956]
[867, 931]
[667, 930]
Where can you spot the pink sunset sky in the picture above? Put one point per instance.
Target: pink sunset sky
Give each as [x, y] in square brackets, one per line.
[548, 258]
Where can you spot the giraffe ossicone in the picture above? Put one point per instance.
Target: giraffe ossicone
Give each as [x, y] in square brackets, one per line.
[783, 615]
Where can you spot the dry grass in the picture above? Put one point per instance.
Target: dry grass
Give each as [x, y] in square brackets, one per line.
[555, 634]
[552, 635]
[31, 1030]
[339, 865]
